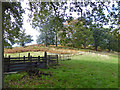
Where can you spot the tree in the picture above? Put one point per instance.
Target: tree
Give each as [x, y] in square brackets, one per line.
[66, 32]
[47, 39]
[65, 36]
[95, 19]
[82, 34]
[76, 33]
[12, 21]
[48, 11]
[97, 36]
[47, 35]
[110, 39]
[99, 20]
[23, 38]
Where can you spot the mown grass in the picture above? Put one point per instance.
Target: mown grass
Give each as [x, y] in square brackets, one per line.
[89, 70]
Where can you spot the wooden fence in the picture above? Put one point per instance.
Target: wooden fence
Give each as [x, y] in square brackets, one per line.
[52, 60]
[24, 63]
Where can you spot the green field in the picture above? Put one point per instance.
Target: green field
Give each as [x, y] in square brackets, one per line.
[89, 70]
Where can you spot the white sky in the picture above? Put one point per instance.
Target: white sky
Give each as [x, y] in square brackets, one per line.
[27, 26]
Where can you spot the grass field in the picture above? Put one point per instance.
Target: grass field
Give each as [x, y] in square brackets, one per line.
[89, 70]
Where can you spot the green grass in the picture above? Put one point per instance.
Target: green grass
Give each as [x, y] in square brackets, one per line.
[83, 71]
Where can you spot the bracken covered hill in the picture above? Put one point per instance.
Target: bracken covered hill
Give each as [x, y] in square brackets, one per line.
[35, 48]
[53, 49]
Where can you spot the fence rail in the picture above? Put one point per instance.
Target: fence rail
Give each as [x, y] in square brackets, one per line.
[52, 59]
[23, 63]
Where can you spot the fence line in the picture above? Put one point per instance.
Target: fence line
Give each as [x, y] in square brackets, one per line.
[29, 62]
[23, 63]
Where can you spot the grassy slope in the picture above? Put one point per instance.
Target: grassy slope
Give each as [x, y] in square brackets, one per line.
[84, 71]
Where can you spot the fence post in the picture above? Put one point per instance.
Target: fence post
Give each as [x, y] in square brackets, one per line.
[19, 55]
[28, 55]
[8, 68]
[45, 56]
[38, 61]
[60, 56]
[29, 63]
[48, 60]
[38, 58]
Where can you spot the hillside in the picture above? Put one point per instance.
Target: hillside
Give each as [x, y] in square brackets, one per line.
[36, 48]
[57, 50]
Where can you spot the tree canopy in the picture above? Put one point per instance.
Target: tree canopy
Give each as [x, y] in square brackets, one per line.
[23, 38]
[12, 21]
[87, 29]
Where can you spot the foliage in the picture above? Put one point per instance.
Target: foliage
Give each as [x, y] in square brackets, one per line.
[82, 35]
[23, 38]
[87, 29]
[49, 14]
[12, 21]
[47, 35]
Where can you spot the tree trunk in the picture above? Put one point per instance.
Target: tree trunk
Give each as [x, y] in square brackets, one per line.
[84, 46]
[46, 40]
[109, 47]
[81, 13]
[95, 43]
[56, 39]
[96, 47]
[109, 50]
[23, 44]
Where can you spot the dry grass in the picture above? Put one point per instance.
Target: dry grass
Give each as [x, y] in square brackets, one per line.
[36, 48]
